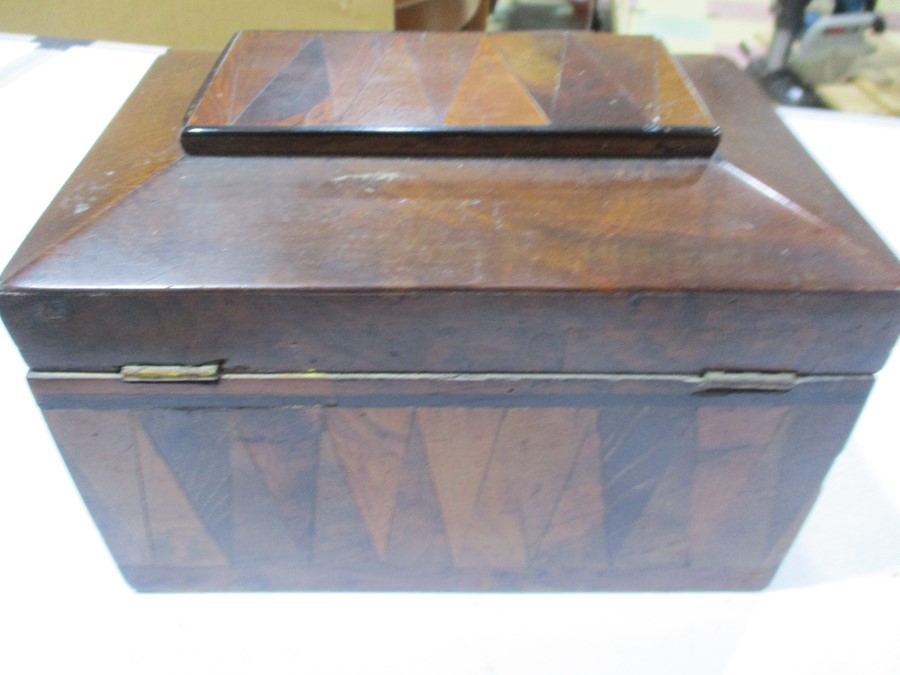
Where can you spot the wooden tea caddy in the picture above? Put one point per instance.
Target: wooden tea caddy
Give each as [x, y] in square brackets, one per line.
[436, 312]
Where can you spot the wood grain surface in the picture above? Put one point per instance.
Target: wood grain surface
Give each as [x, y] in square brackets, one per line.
[489, 300]
[749, 261]
[524, 484]
[439, 94]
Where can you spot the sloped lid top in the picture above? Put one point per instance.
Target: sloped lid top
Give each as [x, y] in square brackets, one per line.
[758, 216]
[209, 255]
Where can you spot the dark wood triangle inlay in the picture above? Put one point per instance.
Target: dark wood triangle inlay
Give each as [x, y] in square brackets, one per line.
[637, 449]
[537, 60]
[441, 77]
[257, 59]
[300, 87]
[630, 65]
[440, 94]
[195, 447]
[591, 91]
[351, 60]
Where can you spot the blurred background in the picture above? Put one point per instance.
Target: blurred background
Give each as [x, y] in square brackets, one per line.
[841, 54]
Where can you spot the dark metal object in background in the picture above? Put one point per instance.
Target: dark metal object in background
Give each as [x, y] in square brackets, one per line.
[807, 50]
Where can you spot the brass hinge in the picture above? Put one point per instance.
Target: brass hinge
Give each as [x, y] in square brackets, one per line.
[206, 373]
[723, 381]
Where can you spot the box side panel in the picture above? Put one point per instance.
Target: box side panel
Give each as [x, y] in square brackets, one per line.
[518, 484]
[821, 333]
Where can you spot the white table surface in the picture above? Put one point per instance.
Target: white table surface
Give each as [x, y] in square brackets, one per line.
[834, 606]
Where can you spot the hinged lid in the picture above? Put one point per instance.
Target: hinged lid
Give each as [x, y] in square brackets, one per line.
[748, 260]
[442, 94]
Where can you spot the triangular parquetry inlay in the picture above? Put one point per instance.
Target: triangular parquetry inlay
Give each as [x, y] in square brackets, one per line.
[730, 443]
[678, 104]
[496, 533]
[659, 538]
[371, 444]
[106, 471]
[813, 436]
[522, 485]
[458, 443]
[393, 96]
[631, 67]
[417, 532]
[257, 59]
[180, 537]
[300, 88]
[284, 447]
[260, 533]
[576, 531]
[506, 102]
[195, 447]
[543, 437]
[441, 77]
[637, 445]
[214, 108]
[748, 517]
[351, 60]
[340, 534]
[594, 94]
[536, 59]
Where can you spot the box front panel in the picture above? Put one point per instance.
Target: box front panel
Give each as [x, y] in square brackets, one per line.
[262, 485]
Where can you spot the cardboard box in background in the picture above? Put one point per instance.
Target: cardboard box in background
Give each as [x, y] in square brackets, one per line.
[199, 24]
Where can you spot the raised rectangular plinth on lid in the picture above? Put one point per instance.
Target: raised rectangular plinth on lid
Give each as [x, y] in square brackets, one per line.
[444, 264]
[427, 94]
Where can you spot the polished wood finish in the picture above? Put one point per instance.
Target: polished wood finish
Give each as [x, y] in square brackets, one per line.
[528, 483]
[441, 338]
[445, 331]
[750, 261]
[443, 94]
